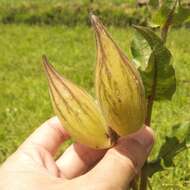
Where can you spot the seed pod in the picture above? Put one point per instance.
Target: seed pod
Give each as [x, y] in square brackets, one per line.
[119, 88]
[77, 111]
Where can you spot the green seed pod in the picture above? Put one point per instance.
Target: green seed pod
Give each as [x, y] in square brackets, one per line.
[77, 111]
[119, 88]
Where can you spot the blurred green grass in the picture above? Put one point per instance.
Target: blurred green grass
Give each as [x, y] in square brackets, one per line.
[71, 13]
[24, 100]
[16, 2]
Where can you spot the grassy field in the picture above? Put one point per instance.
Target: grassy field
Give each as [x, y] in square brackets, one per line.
[71, 12]
[14, 2]
[24, 100]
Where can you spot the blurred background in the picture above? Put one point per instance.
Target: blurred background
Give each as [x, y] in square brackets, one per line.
[61, 30]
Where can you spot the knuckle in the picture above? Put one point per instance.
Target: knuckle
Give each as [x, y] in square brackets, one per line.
[125, 160]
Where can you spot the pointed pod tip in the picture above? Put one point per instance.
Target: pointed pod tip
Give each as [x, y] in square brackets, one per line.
[49, 69]
[47, 66]
[96, 23]
[44, 56]
[140, 28]
[136, 26]
[46, 63]
[93, 18]
[44, 60]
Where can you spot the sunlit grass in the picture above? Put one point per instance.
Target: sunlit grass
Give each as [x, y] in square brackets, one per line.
[24, 100]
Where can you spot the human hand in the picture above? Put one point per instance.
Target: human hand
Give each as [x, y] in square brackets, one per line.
[32, 166]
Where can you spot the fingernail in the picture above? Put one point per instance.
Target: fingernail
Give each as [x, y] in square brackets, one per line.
[146, 138]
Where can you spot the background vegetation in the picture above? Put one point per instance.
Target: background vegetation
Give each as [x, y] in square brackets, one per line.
[72, 12]
[24, 100]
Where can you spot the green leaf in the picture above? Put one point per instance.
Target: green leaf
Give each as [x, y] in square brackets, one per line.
[154, 3]
[141, 51]
[178, 141]
[169, 150]
[181, 16]
[182, 132]
[157, 73]
[167, 24]
[152, 39]
[168, 3]
[159, 17]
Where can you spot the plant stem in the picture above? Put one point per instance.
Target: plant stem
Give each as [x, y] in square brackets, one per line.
[149, 185]
[144, 178]
[157, 166]
[134, 183]
[151, 98]
[179, 2]
[168, 23]
[150, 103]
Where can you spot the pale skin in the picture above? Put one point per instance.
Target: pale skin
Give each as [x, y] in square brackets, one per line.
[33, 167]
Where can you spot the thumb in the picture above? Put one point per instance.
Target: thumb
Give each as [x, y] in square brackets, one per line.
[122, 162]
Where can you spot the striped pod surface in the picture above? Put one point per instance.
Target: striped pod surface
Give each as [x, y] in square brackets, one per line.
[119, 87]
[120, 107]
[77, 111]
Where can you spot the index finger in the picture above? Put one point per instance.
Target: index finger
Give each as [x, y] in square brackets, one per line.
[50, 135]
